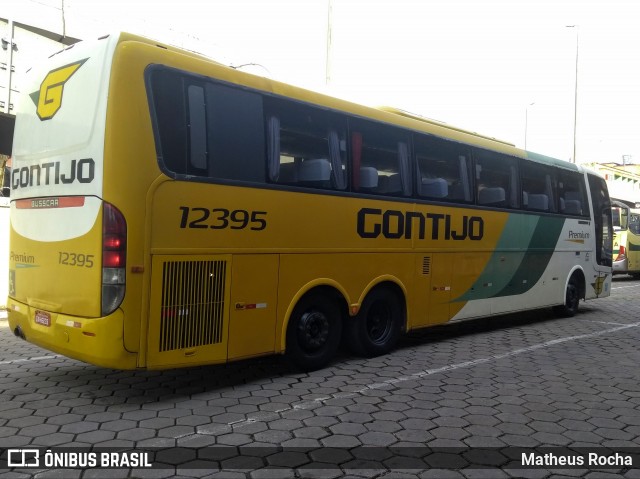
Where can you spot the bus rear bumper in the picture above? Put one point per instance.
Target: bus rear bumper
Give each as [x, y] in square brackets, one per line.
[620, 267]
[97, 341]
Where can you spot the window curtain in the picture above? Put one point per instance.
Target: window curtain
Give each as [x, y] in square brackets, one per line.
[514, 201]
[339, 174]
[273, 147]
[356, 157]
[548, 183]
[403, 168]
[464, 177]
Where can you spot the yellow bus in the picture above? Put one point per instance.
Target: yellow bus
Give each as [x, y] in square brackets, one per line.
[626, 238]
[169, 211]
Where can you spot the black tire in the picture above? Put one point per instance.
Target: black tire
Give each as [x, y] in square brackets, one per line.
[376, 328]
[314, 330]
[571, 301]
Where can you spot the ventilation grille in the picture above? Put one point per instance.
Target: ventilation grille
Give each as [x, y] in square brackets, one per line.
[192, 304]
[426, 265]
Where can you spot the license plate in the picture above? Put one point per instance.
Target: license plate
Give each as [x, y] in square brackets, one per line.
[43, 318]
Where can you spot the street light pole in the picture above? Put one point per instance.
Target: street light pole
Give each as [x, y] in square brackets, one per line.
[327, 64]
[526, 122]
[575, 92]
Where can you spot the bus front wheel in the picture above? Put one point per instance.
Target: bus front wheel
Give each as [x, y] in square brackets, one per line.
[376, 328]
[572, 299]
[314, 330]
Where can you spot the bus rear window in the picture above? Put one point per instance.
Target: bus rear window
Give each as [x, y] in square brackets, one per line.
[204, 128]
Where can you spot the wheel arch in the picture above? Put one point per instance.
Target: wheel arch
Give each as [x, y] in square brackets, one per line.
[324, 286]
[389, 282]
[578, 273]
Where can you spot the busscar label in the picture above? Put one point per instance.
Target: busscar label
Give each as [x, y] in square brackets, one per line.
[45, 203]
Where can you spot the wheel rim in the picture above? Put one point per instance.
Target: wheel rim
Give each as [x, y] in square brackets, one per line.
[313, 330]
[379, 321]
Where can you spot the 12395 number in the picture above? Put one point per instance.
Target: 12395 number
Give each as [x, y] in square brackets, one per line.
[76, 259]
[222, 218]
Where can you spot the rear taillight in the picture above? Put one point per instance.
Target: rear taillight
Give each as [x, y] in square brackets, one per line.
[114, 260]
[622, 254]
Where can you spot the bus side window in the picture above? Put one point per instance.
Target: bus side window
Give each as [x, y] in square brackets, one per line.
[169, 114]
[305, 146]
[381, 162]
[602, 219]
[6, 182]
[538, 187]
[197, 128]
[235, 133]
[205, 130]
[497, 180]
[571, 193]
[443, 170]
[634, 224]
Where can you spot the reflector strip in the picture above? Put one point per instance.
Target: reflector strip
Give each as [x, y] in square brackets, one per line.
[50, 202]
[251, 306]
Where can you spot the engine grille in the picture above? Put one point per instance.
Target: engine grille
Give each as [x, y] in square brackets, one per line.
[192, 308]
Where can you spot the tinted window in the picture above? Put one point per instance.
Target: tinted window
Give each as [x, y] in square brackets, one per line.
[496, 180]
[306, 146]
[380, 156]
[572, 198]
[538, 187]
[602, 219]
[444, 170]
[206, 129]
[6, 184]
[235, 126]
[634, 224]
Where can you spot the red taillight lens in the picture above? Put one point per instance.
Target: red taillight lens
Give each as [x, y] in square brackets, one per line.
[114, 237]
[113, 259]
[112, 242]
[114, 254]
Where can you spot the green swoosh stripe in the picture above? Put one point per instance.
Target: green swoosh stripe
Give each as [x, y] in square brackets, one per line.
[521, 256]
[536, 259]
[634, 247]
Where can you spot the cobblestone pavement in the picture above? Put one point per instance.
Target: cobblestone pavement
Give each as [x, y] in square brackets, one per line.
[463, 400]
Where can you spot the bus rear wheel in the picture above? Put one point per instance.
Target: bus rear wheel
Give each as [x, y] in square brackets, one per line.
[376, 328]
[572, 299]
[314, 330]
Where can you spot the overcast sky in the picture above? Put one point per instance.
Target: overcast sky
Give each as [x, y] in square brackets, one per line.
[480, 65]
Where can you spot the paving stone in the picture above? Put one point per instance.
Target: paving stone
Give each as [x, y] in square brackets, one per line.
[340, 441]
[582, 392]
[137, 434]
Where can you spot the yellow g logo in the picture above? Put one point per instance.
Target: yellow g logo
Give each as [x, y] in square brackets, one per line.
[49, 99]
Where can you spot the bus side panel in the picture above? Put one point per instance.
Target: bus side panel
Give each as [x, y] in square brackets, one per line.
[440, 293]
[253, 308]
[633, 252]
